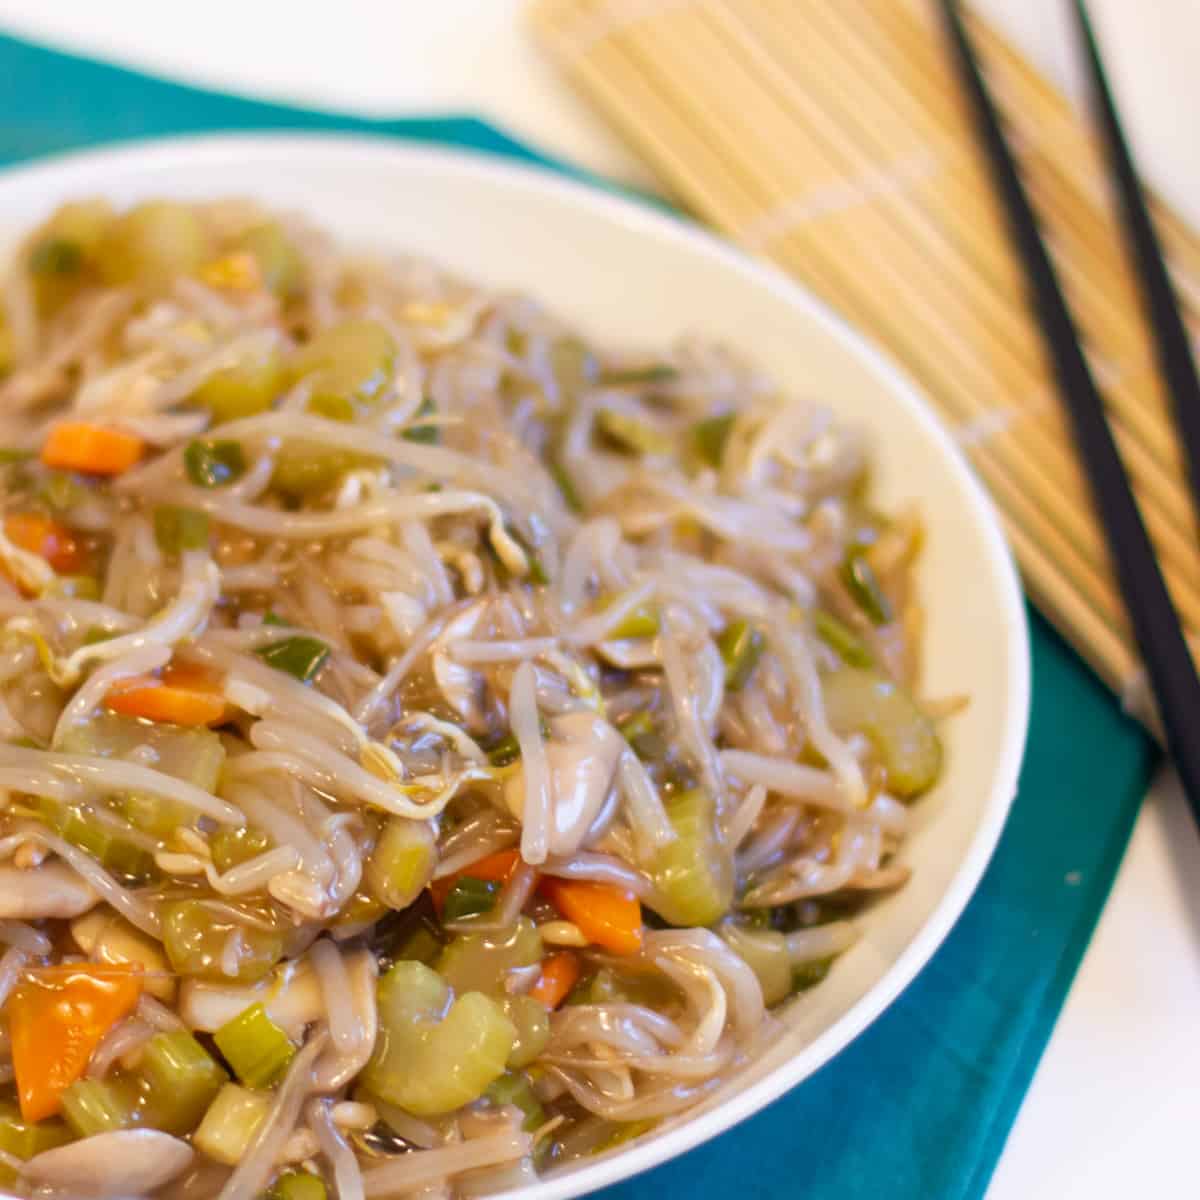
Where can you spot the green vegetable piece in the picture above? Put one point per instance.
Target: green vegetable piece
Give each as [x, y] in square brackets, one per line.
[279, 262]
[573, 365]
[765, 952]
[513, 1087]
[9, 456]
[61, 491]
[298, 1185]
[352, 361]
[641, 622]
[531, 1020]
[300, 657]
[741, 646]
[435, 1053]
[231, 1123]
[255, 1047]
[694, 873]
[809, 974]
[505, 752]
[469, 897]
[152, 243]
[211, 464]
[242, 390]
[632, 376]
[195, 937]
[178, 529]
[230, 846]
[54, 255]
[867, 701]
[79, 825]
[303, 469]
[428, 435]
[402, 862]
[181, 1080]
[570, 493]
[841, 639]
[23, 1139]
[91, 1106]
[629, 435]
[709, 437]
[481, 962]
[860, 580]
[636, 725]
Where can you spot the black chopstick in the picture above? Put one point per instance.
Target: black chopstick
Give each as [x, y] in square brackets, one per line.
[1155, 624]
[1171, 342]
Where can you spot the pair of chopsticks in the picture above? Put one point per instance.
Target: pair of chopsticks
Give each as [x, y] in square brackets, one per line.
[1155, 623]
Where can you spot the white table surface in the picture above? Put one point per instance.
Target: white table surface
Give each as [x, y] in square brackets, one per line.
[1112, 1109]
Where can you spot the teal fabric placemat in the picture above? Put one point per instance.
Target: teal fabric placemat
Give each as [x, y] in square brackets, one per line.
[919, 1106]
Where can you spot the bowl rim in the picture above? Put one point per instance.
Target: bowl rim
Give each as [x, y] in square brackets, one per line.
[601, 200]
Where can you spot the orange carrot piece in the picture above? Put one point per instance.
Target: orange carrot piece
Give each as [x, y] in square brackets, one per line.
[183, 696]
[56, 1019]
[560, 973]
[47, 539]
[497, 868]
[92, 449]
[607, 916]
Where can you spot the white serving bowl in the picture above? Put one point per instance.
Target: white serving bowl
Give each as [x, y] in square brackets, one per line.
[630, 275]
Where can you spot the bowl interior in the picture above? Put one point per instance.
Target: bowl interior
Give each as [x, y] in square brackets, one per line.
[625, 273]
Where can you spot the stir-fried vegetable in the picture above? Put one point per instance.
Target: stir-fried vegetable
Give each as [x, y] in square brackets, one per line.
[56, 1019]
[693, 873]
[640, 622]
[531, 1019]
[427, 435]
[903, 737]
[255, 1047]
[636, 376]
[180, 1079]
[709, 437]
[436, 1052]
[605, 915]
[631, 435]
[279, 263]
[485, 961]
[243, 389]
[178, 529]
[184, 695]
[197, 941]
[741, 646]
[212, 463]
[560, 973]
[841, 639]
[23, 1139]
[47, 539]
[300, 657]
[151, 243]
[513, 1087]
[91, 449]
[494, 868]
[298, 1185]
[93, 1106]
[231, 1122]
[859, 578]
[402, 862]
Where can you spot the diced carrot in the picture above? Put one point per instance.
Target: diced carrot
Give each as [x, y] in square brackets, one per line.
[497, 868]
[560, 972]
[56, 1019]
[92, 449]
[607, 916]
[47, 539]
[185, 695]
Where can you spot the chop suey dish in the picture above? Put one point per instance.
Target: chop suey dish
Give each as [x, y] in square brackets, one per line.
[429, 744]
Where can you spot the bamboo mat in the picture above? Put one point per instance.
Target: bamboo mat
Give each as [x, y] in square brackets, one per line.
[830, 137]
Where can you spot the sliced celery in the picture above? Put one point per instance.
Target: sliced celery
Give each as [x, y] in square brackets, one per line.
[482, 961]
[869, 702]
[809, 974]
[531, 1020]
[212, 463]
[178, 529]
[231, 1122]
[92, 1106]
[765, 952]
[860, 581]
[435, 1053]
[402, 861]
[80, 826]
[351, 367]
[709, 437]
[23, 1139]
[231, 846]
[195, 940]
[693, 875]
[242, 390]
[300, 657]
[255, 1047]
[181, 1079]
[513, 1087]
[841, 639]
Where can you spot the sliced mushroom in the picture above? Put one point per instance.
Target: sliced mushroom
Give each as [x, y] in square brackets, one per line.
[127, 1162]
[582, 754]
[51, 890]
[106, 937]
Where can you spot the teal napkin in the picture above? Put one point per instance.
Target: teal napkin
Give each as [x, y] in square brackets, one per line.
[919, 1106]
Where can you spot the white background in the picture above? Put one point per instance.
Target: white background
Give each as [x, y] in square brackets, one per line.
[1113, 1108]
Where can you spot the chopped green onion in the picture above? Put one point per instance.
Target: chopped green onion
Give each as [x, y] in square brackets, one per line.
[211, 464]
[298, 1185]
[841, 639]
[231, 1123]
[741, 646]
[181, 1078]
[56, 256]
[300, 657]
[469, 897]
[863, 586]
[566, 485]
[428, 435]
[255, 1047]
[710, 435]
[505, 752]
[636, 725]
[178, 529]
[92, 1106]
[641, 622]
[628, 434]
[658, 373]
[513, 1087]
[273, 618]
